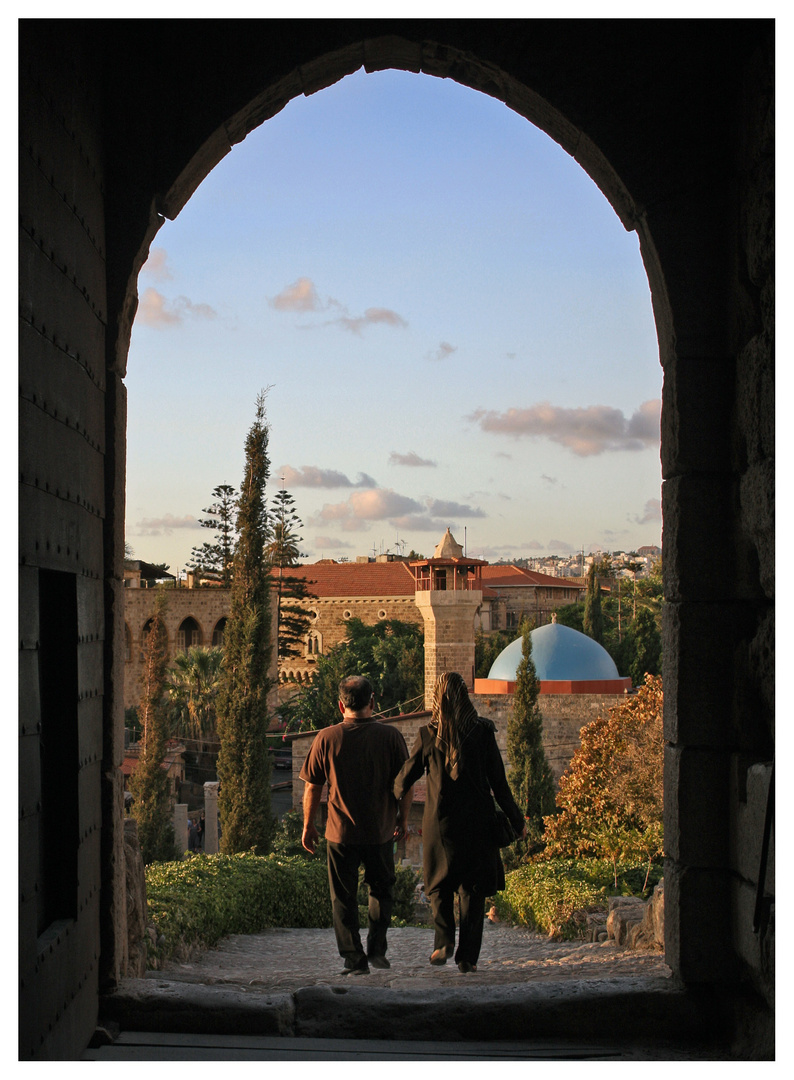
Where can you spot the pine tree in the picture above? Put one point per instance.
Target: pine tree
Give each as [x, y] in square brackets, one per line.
[217, 558]
[283, 551]
[284, 547]
[530, 775]
[242, 712]
[593, 621]
[149, 783]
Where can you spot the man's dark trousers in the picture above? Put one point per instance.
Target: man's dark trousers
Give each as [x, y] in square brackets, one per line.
[379, 874]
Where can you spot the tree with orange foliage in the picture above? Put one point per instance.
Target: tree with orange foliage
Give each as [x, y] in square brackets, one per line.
[610, 798]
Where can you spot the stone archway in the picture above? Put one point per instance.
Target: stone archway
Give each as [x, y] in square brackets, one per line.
[673, 120]
[697, 351]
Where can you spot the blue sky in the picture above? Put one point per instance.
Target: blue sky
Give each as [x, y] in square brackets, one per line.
[455, 328]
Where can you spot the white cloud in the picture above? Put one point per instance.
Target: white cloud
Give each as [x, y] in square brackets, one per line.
[453, 509]
[411, 459]
[164, 526]
[156, 265]
[313, 477]
[370, 317]
[560, 547]
[651, 513]
[332, 543]
[153, 310]
[596, 429]
[375, 504]
[401, 511]
[300, 296]
[420, 523]
[443, 352]
[156, 311]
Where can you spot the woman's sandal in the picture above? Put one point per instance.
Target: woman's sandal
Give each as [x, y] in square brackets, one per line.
[440, 956]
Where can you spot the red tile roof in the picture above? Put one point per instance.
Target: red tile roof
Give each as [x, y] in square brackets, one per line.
[356, 579]
[496, 576]
[385, 579]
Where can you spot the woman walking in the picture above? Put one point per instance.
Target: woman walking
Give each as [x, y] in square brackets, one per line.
[458, 752]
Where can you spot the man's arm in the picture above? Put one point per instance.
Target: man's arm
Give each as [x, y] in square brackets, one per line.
[311, 800]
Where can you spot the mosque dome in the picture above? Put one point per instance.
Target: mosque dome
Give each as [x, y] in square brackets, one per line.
[560, 654]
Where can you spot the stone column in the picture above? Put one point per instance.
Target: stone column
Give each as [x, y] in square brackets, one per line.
[180, 828]
[449, 634]
[211, 818]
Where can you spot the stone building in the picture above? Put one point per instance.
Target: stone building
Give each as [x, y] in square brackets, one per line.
[512, 592]
[192, 617]
[372, 590]
[120, 120]
[369, 591]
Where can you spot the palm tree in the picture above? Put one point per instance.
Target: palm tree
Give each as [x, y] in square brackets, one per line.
[193, 683]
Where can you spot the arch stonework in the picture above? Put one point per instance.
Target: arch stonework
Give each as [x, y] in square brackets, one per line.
[673, 119]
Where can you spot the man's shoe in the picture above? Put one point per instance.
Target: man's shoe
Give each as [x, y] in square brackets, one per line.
[440, 956]
[356, 966]
[465, 968]
[379, 962]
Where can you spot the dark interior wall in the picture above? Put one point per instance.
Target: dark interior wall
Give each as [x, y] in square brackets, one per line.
[62, 525]
[120, 120]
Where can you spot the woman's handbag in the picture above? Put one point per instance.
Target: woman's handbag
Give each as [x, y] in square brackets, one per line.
[501, 830]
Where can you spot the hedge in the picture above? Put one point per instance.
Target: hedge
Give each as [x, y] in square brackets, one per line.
[192, 904]
[546, 895]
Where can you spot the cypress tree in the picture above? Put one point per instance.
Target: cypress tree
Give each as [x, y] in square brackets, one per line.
[149, 783]
[242, 712]
[530, 775]
[593, 620]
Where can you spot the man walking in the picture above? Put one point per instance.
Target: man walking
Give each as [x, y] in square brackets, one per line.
[359, 760]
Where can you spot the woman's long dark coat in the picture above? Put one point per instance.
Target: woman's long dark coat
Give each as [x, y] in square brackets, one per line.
[456, 827]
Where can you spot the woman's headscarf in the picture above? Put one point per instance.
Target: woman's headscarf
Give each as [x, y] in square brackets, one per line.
[454, 719]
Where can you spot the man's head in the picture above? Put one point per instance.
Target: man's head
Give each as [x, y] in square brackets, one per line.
[355, 693]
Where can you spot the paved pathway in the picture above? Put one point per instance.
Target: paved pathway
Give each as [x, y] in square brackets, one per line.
[287, 960]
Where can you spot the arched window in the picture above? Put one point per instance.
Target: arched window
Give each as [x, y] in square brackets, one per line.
[219, 631]
[147, 626]
[189, 633]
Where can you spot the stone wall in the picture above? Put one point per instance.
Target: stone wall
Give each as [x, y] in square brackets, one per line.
[328, 628]
[564, 715]
[206, 606]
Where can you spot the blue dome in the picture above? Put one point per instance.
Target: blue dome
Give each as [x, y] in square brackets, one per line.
[559, 653]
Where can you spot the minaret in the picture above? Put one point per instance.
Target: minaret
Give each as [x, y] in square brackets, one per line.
[449, 595]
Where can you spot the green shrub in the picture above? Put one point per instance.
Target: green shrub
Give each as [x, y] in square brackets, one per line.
[194, 903]
[546, 895]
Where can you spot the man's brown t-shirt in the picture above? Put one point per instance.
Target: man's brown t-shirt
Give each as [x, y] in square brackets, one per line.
[359, 760]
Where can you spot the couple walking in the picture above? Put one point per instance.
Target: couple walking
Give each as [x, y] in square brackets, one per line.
[370, 777]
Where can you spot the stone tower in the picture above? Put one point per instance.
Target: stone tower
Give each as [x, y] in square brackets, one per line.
[449, 595]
